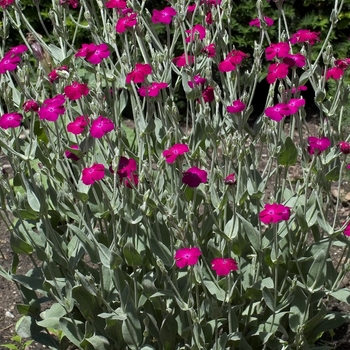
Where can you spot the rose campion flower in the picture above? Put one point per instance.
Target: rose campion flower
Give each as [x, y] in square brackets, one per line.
[95, 173]
[76, 90]
[256, 22]
[6, 3]
[30, 106]
[279, 50]
[151, 90]
[191, 8]
[197, 80]
[334, 73]
[180, 61]
[119, 4]
[277, 112]
[276, 71]
[305, 35]
[223, 266]
[209, 50]
[71, 155]
[318, 145]
[16, 50]
[233, 59]
[187, 257]
[72, 3]
[298, 60]
[208, 94]
[230, 179]
[53, 75]
[174, 151]
[299, 88]
[163, 16]
[194, 176]
[129, 21]
[294, 104]
[236, 107]
[197, 31]
[347, 230]
[274, 213]
[343, 63]
[52, 108]
[94, 53]
[209, 18]
[77, 126]
[344, 147]
[139, 74]
[10, 120]
[127, 169]
[9, 63]
[100, 127]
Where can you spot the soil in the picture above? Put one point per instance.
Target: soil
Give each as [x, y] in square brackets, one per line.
[10, 296]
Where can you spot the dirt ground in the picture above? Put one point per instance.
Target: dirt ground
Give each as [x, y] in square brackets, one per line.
[10, 296]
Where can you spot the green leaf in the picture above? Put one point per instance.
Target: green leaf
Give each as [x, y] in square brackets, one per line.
[86, 302]
[333, 175]
[214, 290]
[159, 249]
[298, 309]
[289, 153]
[252, 233]
[342, 295]
[131, 255]
[97, 341]
[168, 331]
[268, 298]
[131, 328]
[317, 272]
[27, 327]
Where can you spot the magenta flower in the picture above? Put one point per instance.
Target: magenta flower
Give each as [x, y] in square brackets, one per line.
[77, 126]
[180, 61]
[174, 151]
[52, 108]
[6, 3]
[274, 213]
[72, 3]
[276, 71]
[71, 155]
[209, 50]
[233, 59]
[277, 112]
[236, 107]
[76, 90]
[223, 266]
[151, 90]
[119, 4]
[95, 173]
[197, 31]
[318, 145]
[344, 147]
[305, 35]
[187, 257]
[208, 94]
[209, 18]
[335, 73]
[191, 8]
[9, 63]
[279, 50]
[10, 120]
[129, 21]
[54, 74]
[230, 179]
[163, 16]
[294, 104]
[298, 60]
[347, 230]
[100, 127]
[127, 169]
[343, 63]
[30, 106]
[16, 50]
[139, 74]
[256, 22]
[197, 80]
[299, 88]
[194, 176]
[96, 53]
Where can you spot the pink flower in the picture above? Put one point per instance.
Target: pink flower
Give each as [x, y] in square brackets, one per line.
[16, 50]
[95, 173]
[119, 4]
[163, 16]
[335, 73]
[191, 8]
[344, 147]
[174, 151]
[197, 80]
[72, 3]
[211, 2]
[197, 31]
[52, 108]
[194, 176]
[277, 112]
[139, 74]
[180, 61]
[209, 50]
[152, 90]
[54, 75]
[305, 35]
[233, 59]
[187, 257]
[256, 22]
[236, 107]
[77, 126]
[71, 155]
[276, 71]
[223, 266]
[9, 63]
[76, 90]
[100, 127]
[298, 60]
[209, 18]
[10, 120]
[299, 88]
[208, 94]
[127, 169]
[130, 20]
[318, 145]
[274, 213]
[6, 3]
[277, 50]
[230, 179]
[30, 106]
[347, 230]
[343, 63]
[294, 104]
[96, 53]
